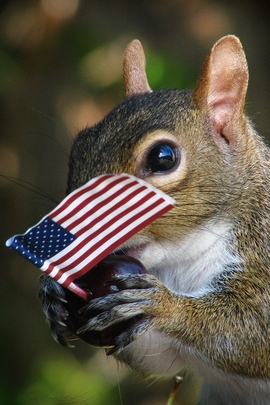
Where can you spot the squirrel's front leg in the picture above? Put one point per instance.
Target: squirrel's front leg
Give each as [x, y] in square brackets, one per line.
[225, 327]
[142, 296]
[53, 299]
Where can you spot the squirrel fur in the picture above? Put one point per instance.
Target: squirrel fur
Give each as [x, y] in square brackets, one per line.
[205, 302]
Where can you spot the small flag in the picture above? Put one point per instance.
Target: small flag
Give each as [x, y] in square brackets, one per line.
[89, 224]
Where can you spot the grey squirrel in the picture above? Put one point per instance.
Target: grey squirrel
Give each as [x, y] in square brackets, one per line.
[205, 302]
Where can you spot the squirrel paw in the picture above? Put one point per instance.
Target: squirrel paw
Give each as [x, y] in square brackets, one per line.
[52, 298]
[138, 299]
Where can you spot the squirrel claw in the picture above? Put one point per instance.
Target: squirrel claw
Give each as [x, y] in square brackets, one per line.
[52, 298]
[127, 337]
[138, 281]
[112, 316]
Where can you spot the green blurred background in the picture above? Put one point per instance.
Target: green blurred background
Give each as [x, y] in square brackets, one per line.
[60, 70]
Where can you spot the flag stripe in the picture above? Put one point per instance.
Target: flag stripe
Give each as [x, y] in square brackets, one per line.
[102, 232]
[104, 190]
[119, 210]
[108, 247]
[102, 247]
[91, 208]
[76, 194]
[97, 240]
[101, 224]
[103, 208]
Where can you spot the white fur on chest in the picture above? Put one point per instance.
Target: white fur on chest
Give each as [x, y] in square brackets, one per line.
[187, 266]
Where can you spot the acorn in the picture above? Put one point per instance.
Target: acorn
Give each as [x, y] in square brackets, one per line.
[97, 284]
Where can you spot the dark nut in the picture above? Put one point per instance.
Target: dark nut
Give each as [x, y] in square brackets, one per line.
[96, 283]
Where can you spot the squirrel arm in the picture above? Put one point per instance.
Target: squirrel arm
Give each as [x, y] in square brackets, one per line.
[227, 328]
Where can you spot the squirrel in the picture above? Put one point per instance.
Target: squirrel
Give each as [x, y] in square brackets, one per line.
[204, 303]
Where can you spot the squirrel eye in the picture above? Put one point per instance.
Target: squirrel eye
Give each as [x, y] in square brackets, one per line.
[161, 158]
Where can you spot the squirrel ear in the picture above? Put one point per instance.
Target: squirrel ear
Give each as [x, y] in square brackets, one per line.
[135, 80]
[222, 86]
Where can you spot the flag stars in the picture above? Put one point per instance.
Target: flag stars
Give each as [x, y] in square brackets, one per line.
[43, 241]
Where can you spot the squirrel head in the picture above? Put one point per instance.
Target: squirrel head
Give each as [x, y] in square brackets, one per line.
[184, 142]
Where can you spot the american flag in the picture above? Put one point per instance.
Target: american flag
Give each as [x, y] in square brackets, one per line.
[89, 224]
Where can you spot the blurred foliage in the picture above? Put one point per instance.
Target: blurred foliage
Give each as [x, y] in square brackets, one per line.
[60, 70]
[63, 380]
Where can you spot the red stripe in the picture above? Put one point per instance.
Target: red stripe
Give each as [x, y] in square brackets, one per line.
[93, 210]
[69, 200]
[113, 208]
[113, 233]
[77, 193]
[67, 212]
[112, 247]
[106, 236]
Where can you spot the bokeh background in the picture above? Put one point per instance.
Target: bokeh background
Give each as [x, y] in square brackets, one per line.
[60, 70]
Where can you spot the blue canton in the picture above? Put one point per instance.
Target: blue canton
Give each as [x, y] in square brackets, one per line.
[43, 241]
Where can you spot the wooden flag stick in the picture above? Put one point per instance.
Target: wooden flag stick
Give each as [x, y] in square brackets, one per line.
[177, 383]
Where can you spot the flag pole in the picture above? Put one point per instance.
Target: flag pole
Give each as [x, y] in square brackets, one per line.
[79, 291]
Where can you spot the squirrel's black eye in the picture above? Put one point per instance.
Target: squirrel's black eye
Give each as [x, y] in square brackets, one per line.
[161, 158]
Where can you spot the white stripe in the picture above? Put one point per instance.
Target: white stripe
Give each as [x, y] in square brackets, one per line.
[77, 191]
[101, 186]
[106, 244]
[128, 205]
[103, 235]
[98, 251]
[103, 208]
[73, 206]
